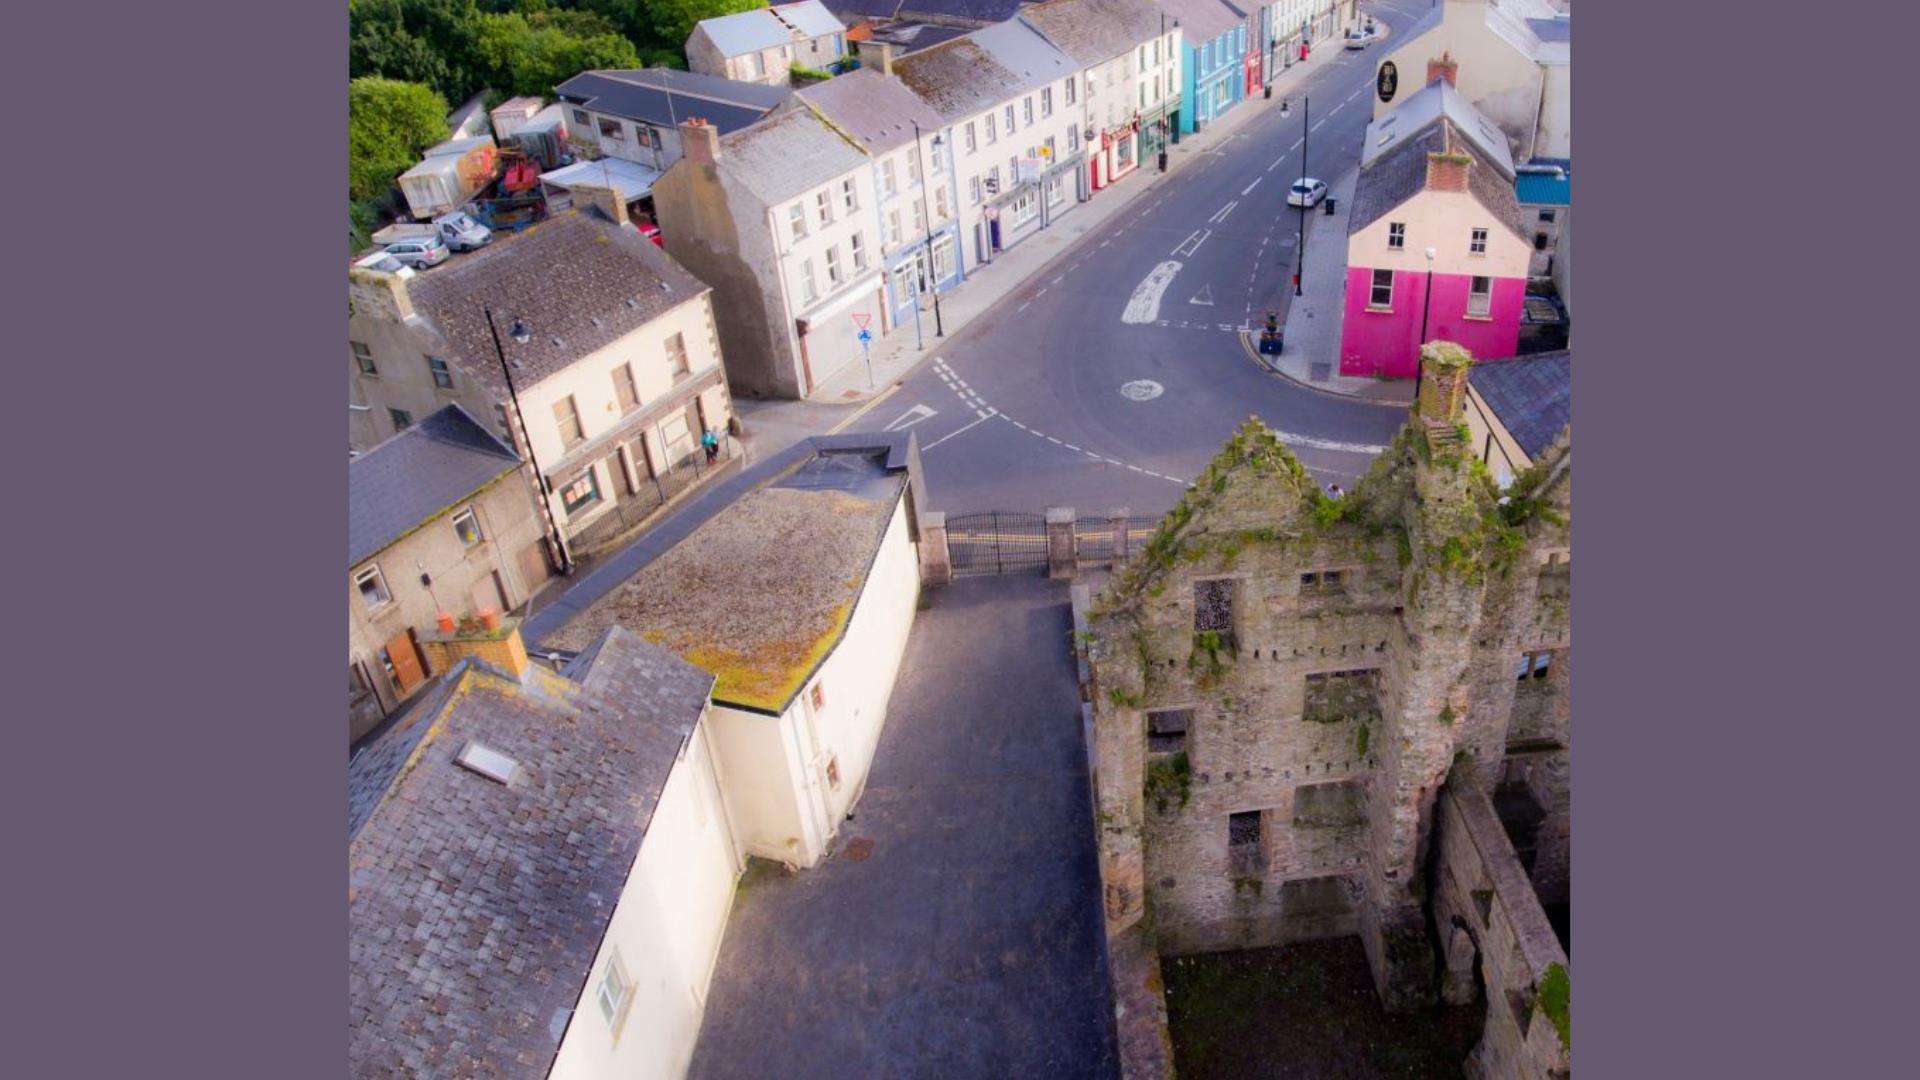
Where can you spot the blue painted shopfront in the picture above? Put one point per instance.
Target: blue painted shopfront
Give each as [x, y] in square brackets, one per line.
[1212, 78]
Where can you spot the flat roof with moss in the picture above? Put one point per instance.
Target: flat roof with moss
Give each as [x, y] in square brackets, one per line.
[760, 594]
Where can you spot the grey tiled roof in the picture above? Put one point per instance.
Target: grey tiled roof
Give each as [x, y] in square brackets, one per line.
[877, 109]
[665, 96]
[475, 908]
[852, 12]
[417, 475]
[1532, 396]
[787, 154]
[1202, 21]
[577, 278]
[969, 74]
[1434, 100]
[909, 38]
[810, 17]
[744, 32]
[984, 12]
[1401, 173]
[1095, 31]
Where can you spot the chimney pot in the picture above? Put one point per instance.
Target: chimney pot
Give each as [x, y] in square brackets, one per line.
[445, 621]
[700, 141]
[1446, 67]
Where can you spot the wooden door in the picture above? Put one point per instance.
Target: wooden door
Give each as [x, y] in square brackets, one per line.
[408, 670]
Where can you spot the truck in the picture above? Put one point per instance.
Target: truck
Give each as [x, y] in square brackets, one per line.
[452, 173]
[458, 230]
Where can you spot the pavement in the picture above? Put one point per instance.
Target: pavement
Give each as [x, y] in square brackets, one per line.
[957, 931]
[1310, 355]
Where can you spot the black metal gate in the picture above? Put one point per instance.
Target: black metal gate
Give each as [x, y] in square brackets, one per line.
[997, 542]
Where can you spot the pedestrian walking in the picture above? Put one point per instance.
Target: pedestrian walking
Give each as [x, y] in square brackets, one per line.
[1334, 492]
[711, 443]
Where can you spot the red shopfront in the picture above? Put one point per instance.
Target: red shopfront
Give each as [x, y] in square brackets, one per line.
[1119, 155]
[1250, 66]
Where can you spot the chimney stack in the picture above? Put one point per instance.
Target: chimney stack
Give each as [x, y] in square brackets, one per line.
[876, 54]
[1448, 171]
[607, 200]
[699, 141]
[500, 646]
[1446, 67]
[1443, 385]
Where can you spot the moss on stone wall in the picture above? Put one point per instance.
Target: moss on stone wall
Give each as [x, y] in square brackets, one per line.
[1556, 992]
[1169, 778]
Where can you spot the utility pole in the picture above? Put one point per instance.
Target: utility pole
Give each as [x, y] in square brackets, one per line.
[932, 273]
[522, 335]
[1300, 246]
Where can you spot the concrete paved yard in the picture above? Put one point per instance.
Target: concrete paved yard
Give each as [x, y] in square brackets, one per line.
[956, 931]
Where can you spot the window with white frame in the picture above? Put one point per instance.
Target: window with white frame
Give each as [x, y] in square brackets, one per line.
[677, 361]
[859, 245]
[467, 527]
[580, 119]
[991, 135]
[809, 288]
[919, 217]
[893, 228]
[833, 266]
[850, 194]
[1026, 110]
[1011, 128]
[566, 418]
[943, 252]
[613, 992]
[1046, 101]
[913, 168]
[797, 219]
[402, 419]
[1480, 297]
[1070, 81]
[624, 391]
[373, 587]
[1073, 138]
[889, 184]
[363, 357]
[973, 143]
[941, 211]
[1478, 244]
[1397, 235]
[973, 191]
[934, 149]
[612, 129]
[1381, 295]
[442, 375]
[1143, 95]
[1024, 208]
[823, 204]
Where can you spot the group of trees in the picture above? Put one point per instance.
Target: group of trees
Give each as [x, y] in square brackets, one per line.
[409, 59]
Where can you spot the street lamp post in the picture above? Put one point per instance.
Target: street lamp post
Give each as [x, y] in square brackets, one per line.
[932, 274]
[1426, 306]
[521, 335]
[1300, 245]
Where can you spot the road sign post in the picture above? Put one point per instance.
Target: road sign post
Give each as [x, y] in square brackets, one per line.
[866, 346]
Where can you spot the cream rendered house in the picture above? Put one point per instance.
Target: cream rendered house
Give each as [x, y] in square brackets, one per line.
[1132, 77]
[464, 958]
[822, 580]
[1511, 58]
[612, 358]
[763, 45]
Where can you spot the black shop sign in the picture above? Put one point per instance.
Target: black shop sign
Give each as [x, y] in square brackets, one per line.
[1388, 82]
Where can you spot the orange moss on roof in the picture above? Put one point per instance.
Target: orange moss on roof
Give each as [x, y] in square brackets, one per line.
[758, 596]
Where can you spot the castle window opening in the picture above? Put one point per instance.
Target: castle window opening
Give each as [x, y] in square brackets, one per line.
[1534, 665]
[1213, 606]
[1167, 730]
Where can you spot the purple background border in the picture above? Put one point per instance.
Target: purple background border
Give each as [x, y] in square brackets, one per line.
[174, 800]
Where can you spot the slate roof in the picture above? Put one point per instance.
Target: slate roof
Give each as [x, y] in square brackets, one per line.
[810, 17]
[971, 74]
[1095, 31]
[1393, 161]
[984, 12]
[909, 38]
[665, 96]
[579, 281]
[853, 11]
[787, 154]
[416, 476]
[1202, 21]
[475, 909]
[875, 108]
[1434, 100]
[1532, 396]
[744, 32]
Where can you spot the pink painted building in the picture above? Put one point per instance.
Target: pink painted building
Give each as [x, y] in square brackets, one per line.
[1437, 248]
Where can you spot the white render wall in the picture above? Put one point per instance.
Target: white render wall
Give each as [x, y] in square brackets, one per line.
[973, 166]
[830, 338]
[666, 929]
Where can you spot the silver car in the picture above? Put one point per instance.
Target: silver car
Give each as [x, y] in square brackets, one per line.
[1306, 192]
[419, 252]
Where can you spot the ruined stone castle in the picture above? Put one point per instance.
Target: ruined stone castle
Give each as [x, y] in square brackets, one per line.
[1326, 716]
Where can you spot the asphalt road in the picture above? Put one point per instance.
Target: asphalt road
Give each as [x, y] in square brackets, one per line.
[1051, 399]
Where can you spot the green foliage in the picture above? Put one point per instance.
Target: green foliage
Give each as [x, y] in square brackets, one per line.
[388, 124]
[522, 56]
[1169, 777]
[1446, 713]
[1556, 992]
[803, 73]
[1361, 741]
[1120, 697]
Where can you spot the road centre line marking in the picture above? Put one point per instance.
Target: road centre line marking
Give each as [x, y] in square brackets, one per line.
[1336, 109]
[1073, 448]
[1024, 306]
[1317, 127]
[1250, 187]
[1295, 146]
[1055, 441]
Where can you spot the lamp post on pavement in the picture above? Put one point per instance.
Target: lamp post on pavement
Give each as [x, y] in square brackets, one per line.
[932, 273]
[1300, 245]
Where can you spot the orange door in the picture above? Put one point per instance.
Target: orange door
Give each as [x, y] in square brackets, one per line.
[408, 671]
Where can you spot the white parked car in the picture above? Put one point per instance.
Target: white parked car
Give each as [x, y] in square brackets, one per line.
[1359, 39]
[1306, 192]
